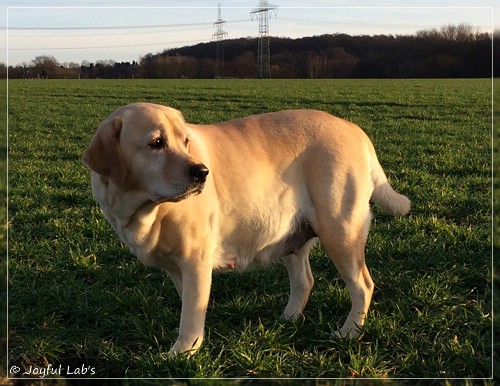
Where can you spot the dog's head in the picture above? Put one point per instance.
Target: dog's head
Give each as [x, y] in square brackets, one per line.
[147, 147]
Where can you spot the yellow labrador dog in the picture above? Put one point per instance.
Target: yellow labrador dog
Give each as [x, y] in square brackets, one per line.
[194, 199]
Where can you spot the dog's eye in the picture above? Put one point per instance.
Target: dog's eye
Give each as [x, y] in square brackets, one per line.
[157, 143]
[186, 142]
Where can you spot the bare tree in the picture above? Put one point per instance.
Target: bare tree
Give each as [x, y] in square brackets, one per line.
[45, 66]
[458, 33]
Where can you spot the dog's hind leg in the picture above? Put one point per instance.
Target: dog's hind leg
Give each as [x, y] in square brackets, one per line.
[344, 240]
[301, 280]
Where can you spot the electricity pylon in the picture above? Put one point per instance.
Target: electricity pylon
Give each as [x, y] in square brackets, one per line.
[263, 13]
[219, 36]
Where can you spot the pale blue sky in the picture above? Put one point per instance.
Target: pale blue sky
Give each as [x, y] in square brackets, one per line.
[125, 30]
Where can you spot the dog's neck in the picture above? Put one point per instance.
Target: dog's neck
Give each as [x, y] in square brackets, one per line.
[121, 208]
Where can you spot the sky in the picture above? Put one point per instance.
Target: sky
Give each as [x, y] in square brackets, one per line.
[74, 31]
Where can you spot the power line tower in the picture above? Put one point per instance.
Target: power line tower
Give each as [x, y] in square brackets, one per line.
[219, 36]
[263, 13]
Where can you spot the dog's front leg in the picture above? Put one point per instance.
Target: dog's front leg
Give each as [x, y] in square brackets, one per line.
[174, 272]
[196, 281]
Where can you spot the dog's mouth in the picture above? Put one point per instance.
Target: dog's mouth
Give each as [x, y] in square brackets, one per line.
[192, 191]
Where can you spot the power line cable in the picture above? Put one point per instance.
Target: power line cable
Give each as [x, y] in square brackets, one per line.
[200, 24]
[103, 47]
[84, 35]
[102, 28]
[118, 27]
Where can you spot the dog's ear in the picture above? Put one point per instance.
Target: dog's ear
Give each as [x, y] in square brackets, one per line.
[103, 155]
[179, 117]
[175, 117]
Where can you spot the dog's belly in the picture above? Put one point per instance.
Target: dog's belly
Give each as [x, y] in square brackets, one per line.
[265, 247]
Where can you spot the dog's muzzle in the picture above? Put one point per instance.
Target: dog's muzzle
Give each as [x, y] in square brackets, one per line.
[198, 174]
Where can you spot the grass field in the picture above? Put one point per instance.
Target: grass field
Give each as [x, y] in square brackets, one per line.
[78, 298]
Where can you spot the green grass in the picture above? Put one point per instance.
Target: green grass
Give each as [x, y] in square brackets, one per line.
[3, 224]
[496, 219]
[77, 296]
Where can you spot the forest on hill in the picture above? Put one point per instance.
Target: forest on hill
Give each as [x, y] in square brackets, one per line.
[448, 52]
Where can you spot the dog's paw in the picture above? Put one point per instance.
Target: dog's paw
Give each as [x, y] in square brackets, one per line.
[177, 349]
[174, 350]
[294, 318]
[349, 333]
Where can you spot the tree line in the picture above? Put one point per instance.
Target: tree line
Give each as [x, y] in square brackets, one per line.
[452, 51]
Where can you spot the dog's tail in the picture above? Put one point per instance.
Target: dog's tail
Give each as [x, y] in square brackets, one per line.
[384, 195]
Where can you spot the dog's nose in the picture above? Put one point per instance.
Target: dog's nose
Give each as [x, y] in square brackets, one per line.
[198, 173]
